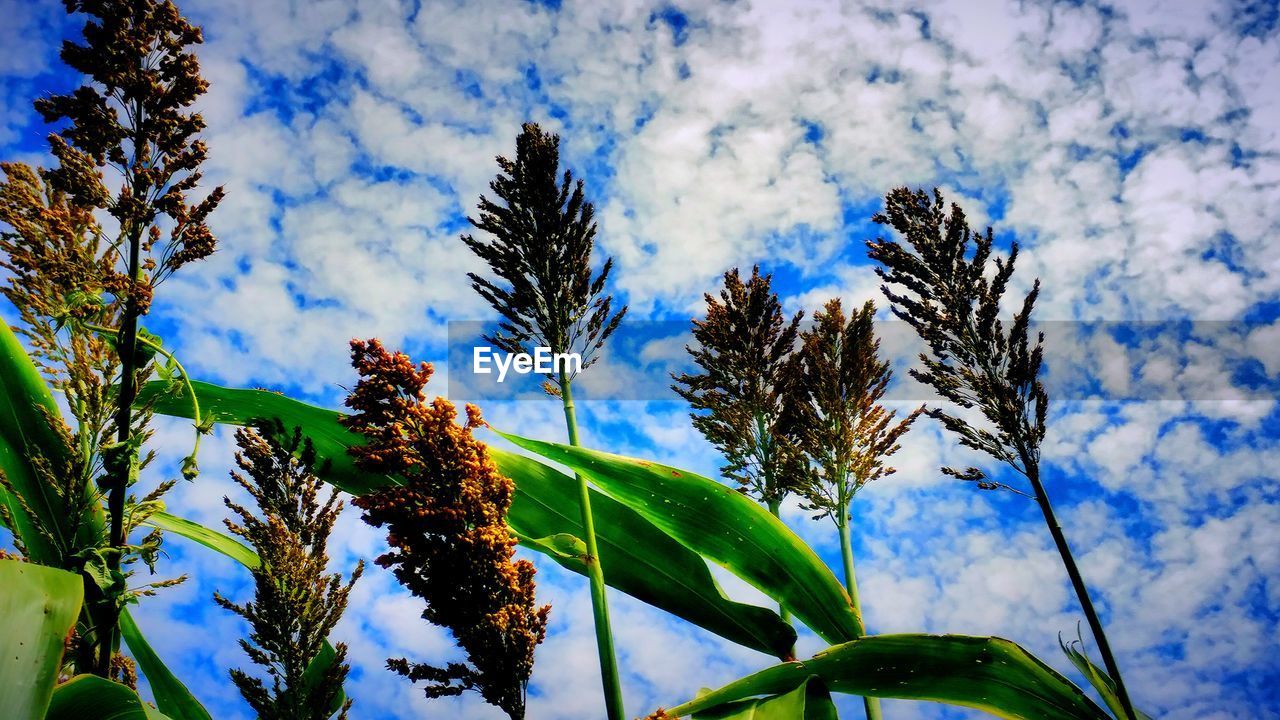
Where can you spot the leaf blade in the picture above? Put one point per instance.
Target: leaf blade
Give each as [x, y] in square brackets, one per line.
[172, 697]
[38, 607]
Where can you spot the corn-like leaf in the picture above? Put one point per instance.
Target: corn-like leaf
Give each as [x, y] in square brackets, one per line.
[172, 697]
[989, 674]
[89, 696]
[1097, 677]
[810, 701]
[38, 607]
[637, 557]
[722, 525]
[242, 554]
[25, 406]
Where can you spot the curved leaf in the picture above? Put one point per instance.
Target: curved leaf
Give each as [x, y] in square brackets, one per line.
[1096, 676]
[723, 526]
[89, 696]
[989, 674]
[172, 697]
[38, 607]
[638, 558]
[207, 537]
[810, 701]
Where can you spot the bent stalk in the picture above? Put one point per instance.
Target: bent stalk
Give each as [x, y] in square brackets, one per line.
[599, 601]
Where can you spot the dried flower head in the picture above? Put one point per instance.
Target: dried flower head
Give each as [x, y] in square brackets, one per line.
[843, 429]
[541, 235]
[953, 306]
[296, 603]
[446, 526]
[746, 355]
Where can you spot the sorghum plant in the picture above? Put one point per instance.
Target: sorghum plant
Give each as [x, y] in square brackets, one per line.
[296, 603]
[446, 526]
[540, 236]
[976, 363]
[746, 355]
[843, 429]
[131, 119]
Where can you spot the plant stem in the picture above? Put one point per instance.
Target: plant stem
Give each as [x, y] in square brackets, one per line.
[870, 704]
[599, 602]
[775, 508]
[1082, 592]
[118, 483]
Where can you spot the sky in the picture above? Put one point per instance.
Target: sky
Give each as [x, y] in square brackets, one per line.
[1132, 149]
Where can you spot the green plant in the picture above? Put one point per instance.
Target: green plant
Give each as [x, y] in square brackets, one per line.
[843, 430]
[975, 363]
[130, 118]
[746, 356]
[296, 603]
[540, 238]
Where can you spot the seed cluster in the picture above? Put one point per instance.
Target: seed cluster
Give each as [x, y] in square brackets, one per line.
[446, 527]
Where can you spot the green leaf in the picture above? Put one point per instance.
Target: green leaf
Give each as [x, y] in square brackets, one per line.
[25, 404]
[638, 558]
[211, 539]
[89, 696]
[986, 673]
[38, 607]
[722, 525]
[810, 701]
[172, 697]
[242, 554]
[1097, 677]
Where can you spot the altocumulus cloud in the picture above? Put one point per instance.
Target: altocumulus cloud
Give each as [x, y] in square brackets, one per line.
[1130, 147]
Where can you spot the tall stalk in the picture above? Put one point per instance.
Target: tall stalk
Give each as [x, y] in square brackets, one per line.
[609, 678]
[775, 509]
[539, 236]
[871, 705]
[953, 305]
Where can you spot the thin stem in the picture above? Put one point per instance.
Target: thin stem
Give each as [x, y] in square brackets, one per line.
[870, 704]
[1082, 592]
[775, 508]
[599, 602]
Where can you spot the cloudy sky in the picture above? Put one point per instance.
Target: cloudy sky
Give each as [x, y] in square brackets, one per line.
[1132, 148]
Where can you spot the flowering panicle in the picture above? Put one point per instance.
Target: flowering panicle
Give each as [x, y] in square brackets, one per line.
[446, 527]
[746, 355]
[953, 306]
[541, 237]
[843, 429]
[296, 603]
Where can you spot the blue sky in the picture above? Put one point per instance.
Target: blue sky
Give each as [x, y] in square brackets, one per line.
[1132, 148]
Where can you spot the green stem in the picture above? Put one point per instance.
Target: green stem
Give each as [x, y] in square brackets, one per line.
[775, 508]
[870, 704]
[1077, 582]
[599, 602]
[186, 377]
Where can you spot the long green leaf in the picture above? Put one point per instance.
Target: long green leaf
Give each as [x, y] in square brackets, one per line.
[810, 701]
[638, 558]
[989, 674]
[38, 607]
[723, 526]
[172, 697]
[207, 537]
[237, 551]
[25, 406]
[89, 696]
